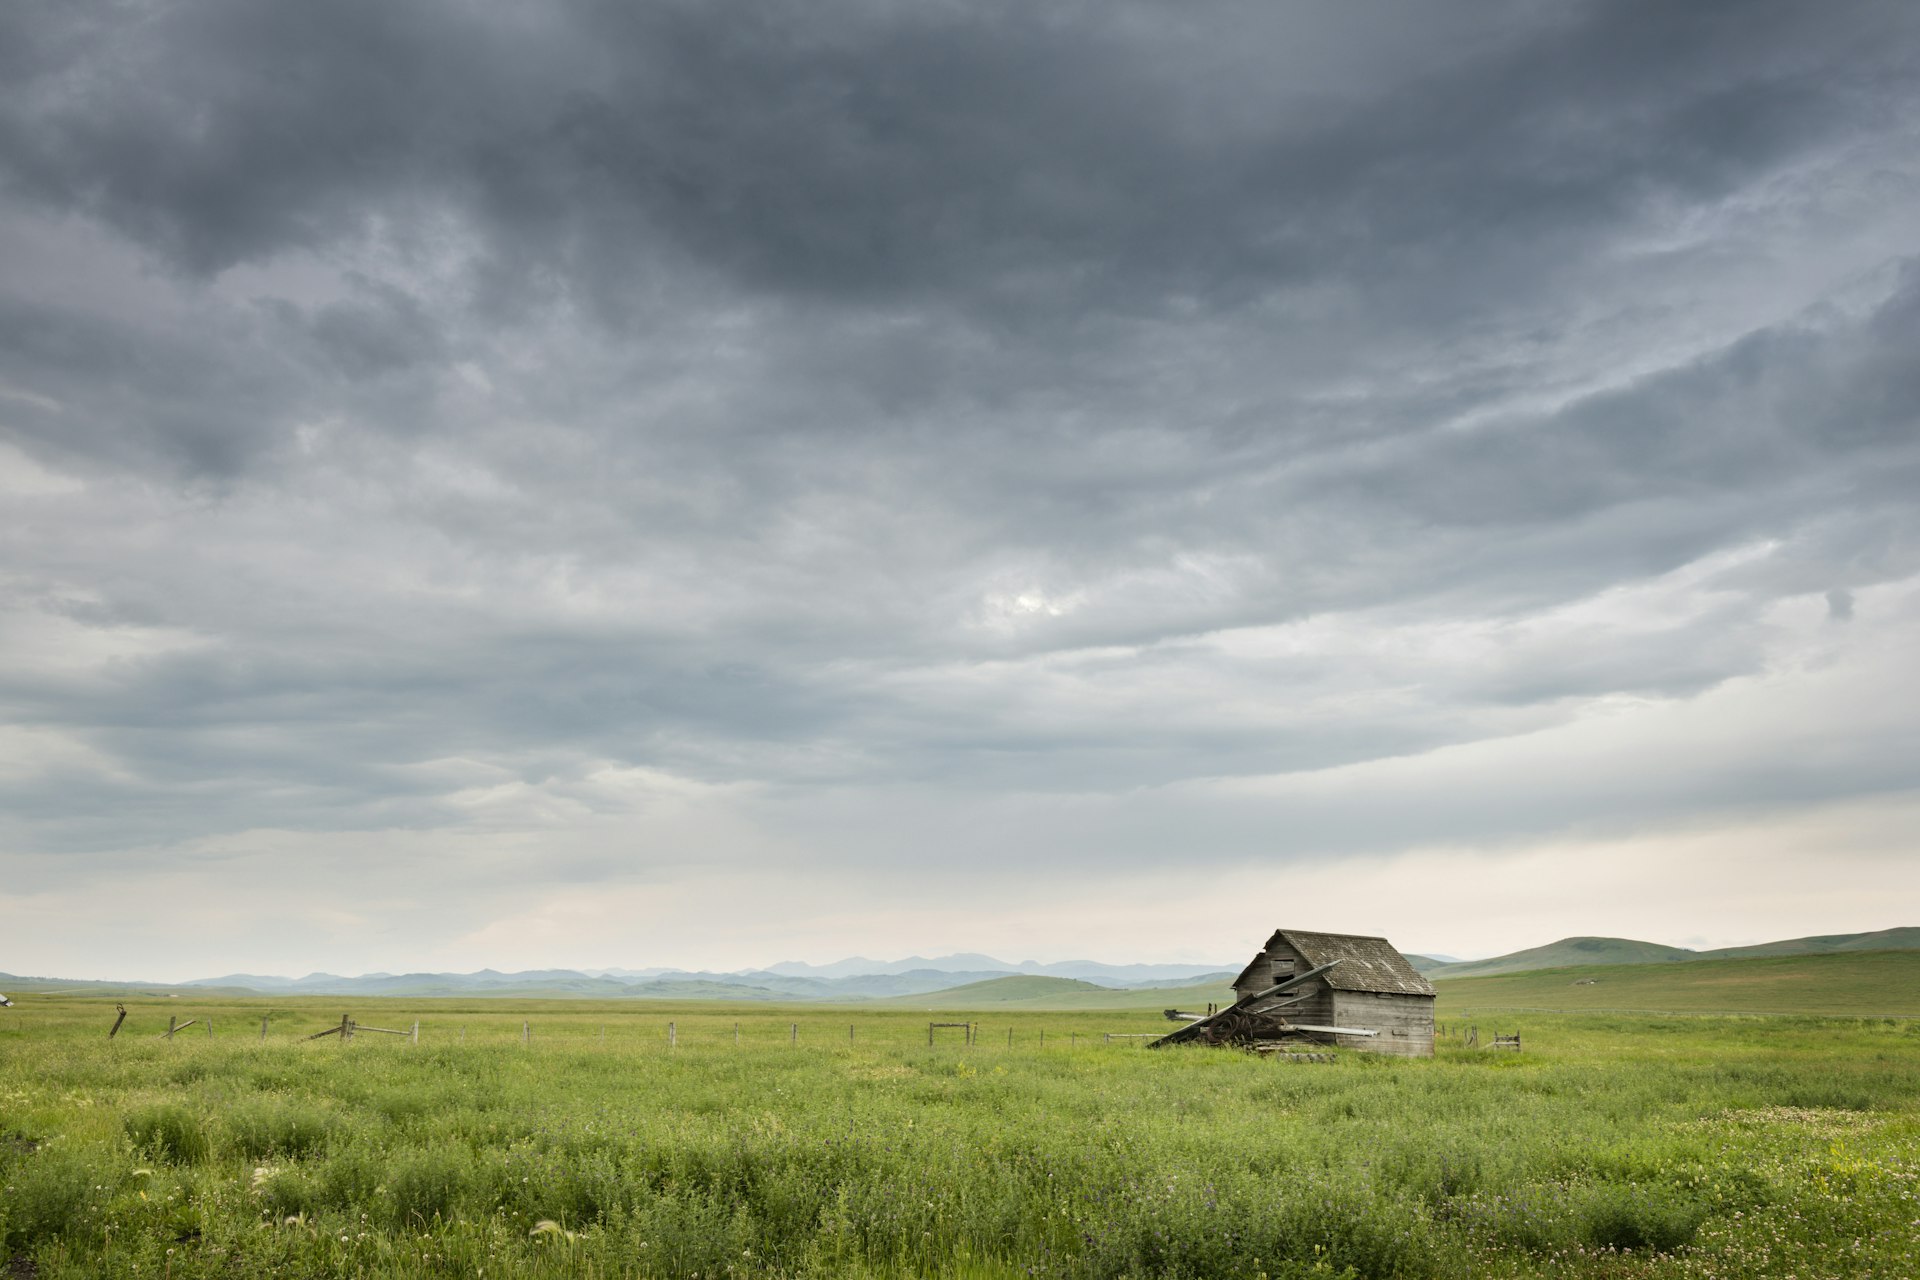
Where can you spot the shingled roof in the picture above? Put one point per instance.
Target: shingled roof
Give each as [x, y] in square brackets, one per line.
[1366, 964]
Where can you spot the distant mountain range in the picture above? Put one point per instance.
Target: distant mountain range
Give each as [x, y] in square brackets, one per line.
[858, 979]
[852, 979]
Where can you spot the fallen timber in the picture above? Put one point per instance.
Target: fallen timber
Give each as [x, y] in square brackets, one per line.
[1254, 1020]
[348, 1029]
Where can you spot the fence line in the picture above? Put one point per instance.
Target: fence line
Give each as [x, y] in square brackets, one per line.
[970, 1038]
[348, 1028]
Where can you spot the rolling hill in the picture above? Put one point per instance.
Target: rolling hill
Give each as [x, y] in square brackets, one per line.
[1845, 983]
[1567, 951]
[1029, 991]
[1611, 951]
[1827, 944]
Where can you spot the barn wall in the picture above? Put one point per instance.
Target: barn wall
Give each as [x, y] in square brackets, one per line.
[1405, 1022]
[1277, 964]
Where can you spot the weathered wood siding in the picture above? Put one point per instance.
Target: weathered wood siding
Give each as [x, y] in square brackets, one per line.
[1405, 1022]
[1278, 963]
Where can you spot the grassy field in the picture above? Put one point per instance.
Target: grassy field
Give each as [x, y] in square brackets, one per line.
[1864, 984]
[567, 1139]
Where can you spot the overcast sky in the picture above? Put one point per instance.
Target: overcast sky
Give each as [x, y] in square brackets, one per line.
[690, 484]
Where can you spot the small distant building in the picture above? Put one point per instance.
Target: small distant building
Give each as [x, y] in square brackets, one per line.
[1371, 986]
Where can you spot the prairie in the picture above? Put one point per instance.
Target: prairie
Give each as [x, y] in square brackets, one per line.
[566, 1138]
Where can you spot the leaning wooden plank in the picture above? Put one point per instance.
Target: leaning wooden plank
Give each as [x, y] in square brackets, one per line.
[1239, 1010]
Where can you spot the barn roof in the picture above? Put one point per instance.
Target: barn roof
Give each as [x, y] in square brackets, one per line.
[1366, 964]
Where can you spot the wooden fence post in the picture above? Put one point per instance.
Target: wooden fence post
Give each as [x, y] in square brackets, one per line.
[416, 1031]
[117, 1021]
[672, 1035]
[346, 1028]
[209, 1028]
[171, 1019]
[1009, 1037]
[793, 1036]
[736, 1035]
[263, 1031]
[526, 1033]
[849, 1033]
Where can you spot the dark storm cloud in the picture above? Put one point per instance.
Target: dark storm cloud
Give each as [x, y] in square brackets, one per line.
[886, 152]
[880, 395]
[948, 202]
[1034, 160]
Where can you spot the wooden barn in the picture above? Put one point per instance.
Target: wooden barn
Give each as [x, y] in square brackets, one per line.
[1326, 988]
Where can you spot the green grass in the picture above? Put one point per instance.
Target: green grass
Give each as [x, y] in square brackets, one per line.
[1864, 983]
[1615, 1146]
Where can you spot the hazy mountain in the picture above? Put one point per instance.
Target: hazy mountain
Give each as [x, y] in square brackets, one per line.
[1036, 991]
[670, 988]
[17, 982]
[1218, 977]
[860, 966]
[675, 984]
[655, 972]
[858, 978]
[1128, 975]
[252, 981]
[1112, 975]
[1017, 988]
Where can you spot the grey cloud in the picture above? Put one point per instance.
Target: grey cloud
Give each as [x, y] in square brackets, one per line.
[937, 410]
[962, 203]
[1066, 158]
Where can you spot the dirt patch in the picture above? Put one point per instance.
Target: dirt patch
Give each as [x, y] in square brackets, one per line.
[14, 1143]
[20, 1267]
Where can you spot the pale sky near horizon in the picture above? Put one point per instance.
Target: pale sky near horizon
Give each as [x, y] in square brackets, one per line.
[621, 485]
